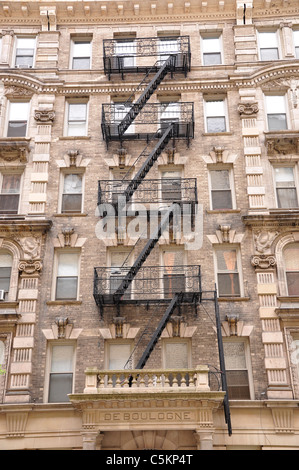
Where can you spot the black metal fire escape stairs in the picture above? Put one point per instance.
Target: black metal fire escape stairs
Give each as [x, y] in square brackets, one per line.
[167, 133]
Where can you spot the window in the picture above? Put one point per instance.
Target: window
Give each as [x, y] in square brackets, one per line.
[25, 49]
[171, 186]
[237, 370]
[286, 192]
[169, 46]
[170, 112]
[174, 272]
[81, 54]
[119, 262]
[61, 373]
[221, 192]
[211, 50]
[228, 278]
[176, 354]
[2, 353]
[67, 276]
[215, 112]
[125, 51]
[276, 112]
[10, 193]
[268, 45]
[17, 119]
[72, 193]
[118, 355]
[296, 42]
[5, 273]
[77, 119]
[120, 112]
[291, 259]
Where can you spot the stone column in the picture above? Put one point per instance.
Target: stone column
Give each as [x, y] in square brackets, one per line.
[7, 44]
[89, 439]
[204, 439]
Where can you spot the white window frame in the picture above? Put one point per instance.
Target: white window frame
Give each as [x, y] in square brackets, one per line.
[229, 247]
[222, 99]
[5, 252]
[296, 42]
[50, 346]
[129, 258]
[126, 47]
[230, 171]
[187, 341]
[67, 112]
[267, 96]
[63, 174]
[285, 271]
[277, 44]
[13, 172]
[8, 120]
[116, 342]
[170, 249]
[247, 359]
[296, 183]
[20, 37]
[74, 41]
[55, 272]
[215, 36]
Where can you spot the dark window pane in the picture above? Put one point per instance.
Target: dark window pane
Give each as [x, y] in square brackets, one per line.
[81, 63]
[5, 274]
[17, 129]
[115, 282]
[228, 285]
[221, 200]
[9, 203]
[287, 198]
[66, 288]
[71, 203]
[216, 124]
[173, 283]
[171, 190]
[60, 386]
[24, 57]
[269, 54]
[277, 122]
[293, 283]
[213, 58]
[238, 385]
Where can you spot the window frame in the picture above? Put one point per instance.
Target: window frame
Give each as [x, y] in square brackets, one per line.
[50, 346]
[212, 35]
[10, 103]
[130, 260]
[67, 128]
[270, 31]
[296, 44]
[247, 356]
[286, 271]
[230, 171]
[12, 172]
[7, 252]
[166, 341]
[114, 342]
[296, 185]
[222, 99]
[18, 37]
[63, 174]
[229, 247]
[74, 41]
[286, 109]
[59, 251]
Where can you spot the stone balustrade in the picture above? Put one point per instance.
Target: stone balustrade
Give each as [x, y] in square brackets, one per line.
[101, 381]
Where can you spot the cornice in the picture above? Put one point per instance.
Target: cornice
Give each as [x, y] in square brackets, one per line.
[267, 76]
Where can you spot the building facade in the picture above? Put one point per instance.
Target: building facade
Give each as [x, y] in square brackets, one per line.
[124, 326]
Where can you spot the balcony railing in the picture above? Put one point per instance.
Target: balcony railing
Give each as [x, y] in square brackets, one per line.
[152, 121]
[151, 284]
[126, 55]
[146, 380]
[159, 191]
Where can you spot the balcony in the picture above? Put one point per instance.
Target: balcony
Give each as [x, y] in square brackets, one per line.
[151, 284]
[127, 55]
[152, 120]
[158, 192]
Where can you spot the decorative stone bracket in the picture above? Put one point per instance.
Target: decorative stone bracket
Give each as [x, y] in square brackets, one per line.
[44, 116]
[30, 267]
[263, 261]
[10, 151]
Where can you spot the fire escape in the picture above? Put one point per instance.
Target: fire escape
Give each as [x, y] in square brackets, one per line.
[140, 283]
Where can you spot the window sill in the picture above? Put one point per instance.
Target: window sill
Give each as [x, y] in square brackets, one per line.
[71, 214]
[75, 137]
[223, 211]
[289, 299]
[64, 302]
[233, 299]
[216, 133]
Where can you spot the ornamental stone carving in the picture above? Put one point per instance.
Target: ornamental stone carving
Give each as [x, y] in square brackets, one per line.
[282, 145]
[44, 116]
[12, 151]
[30, 267]
[263, 261]
[263, 240]
[248, 109]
